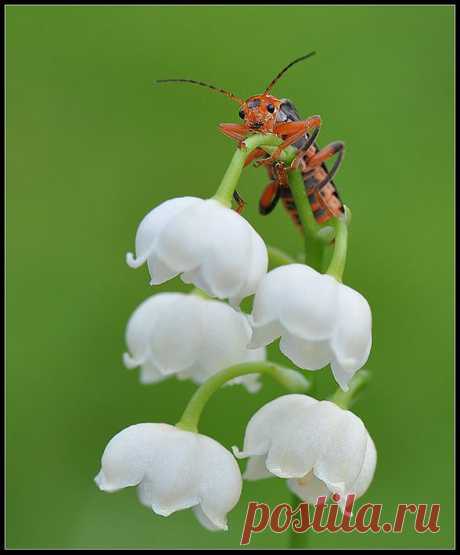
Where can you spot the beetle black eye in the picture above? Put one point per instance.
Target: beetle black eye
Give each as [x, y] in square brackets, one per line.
[241, 114]
[270, 108]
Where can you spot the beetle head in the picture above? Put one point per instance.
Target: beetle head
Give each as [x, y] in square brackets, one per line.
[259, 113]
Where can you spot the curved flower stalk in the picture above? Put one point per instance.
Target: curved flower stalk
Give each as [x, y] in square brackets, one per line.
[206, 242]
[173, 469]
[320, 448]
[190, 337]
[320, 320]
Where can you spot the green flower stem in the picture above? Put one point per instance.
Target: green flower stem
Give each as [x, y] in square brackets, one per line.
[297, 540]
[297, 186]
[345, 399]
[339, 256]
[224, 193]
[277, 257]
[313, 242]
[286, 156]
[292, 380]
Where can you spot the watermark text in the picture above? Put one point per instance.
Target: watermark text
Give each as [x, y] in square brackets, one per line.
[323, 517]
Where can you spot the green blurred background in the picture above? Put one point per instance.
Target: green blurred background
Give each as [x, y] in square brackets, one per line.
[92, 146]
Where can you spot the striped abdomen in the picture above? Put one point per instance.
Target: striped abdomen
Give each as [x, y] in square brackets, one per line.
[325, 202]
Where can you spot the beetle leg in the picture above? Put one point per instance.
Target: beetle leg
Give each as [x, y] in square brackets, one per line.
[240, 202]
[302, 152]
[234, 131]
[293, 131]
[269, 198]
[257, 153]
[239, 132]
[324, 154]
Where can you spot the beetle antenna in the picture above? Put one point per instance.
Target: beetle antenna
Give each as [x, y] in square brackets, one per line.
[283, 71]
[223, 91]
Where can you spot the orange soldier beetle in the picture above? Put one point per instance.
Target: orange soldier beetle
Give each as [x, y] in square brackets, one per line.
[264, 113]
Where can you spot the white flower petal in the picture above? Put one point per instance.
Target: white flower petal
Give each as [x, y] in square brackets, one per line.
[131, 362]
[221, 482]
[308, 488]
[310, 355]
[182, 239]
[123, 462]
[367, 470]
[177, 339]
[308, 309]
[197, 278]
[268, 298]
[257, 269]
[174, 470]
[352, 340]
[320, 448]
[264, 334]
[300, 298]
[151, 374]
[256, 468]
[139, 326]
[191, 337]
[159, 271]
[147, 492]
[151, 226]
[209, 244]
[320, 321]
[342, 455]
[270, 421]
[227, 334]
[295, 450]
[228, 265]
[204, 520]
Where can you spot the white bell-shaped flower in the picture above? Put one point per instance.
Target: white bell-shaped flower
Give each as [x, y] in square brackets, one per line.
[209, 244]
[320, 448]
[189, 336]
[320, 320]
[173, 469]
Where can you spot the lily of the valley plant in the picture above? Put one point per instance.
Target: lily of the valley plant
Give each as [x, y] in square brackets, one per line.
[318, 446]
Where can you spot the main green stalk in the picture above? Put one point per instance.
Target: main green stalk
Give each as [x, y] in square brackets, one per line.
[339, 256]
[297, 540]
[313, 244]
